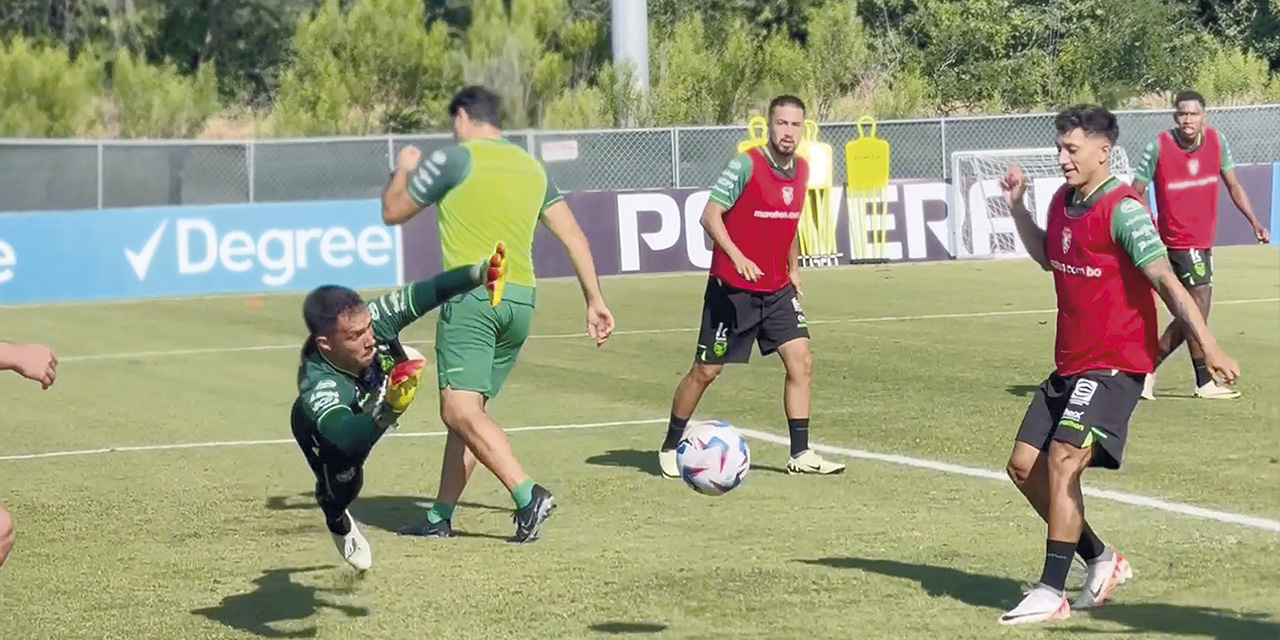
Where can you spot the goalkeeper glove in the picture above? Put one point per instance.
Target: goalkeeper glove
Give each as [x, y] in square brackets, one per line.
[495, 276]
[403, 385]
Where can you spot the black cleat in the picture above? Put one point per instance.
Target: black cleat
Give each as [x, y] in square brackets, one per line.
[442, 529]
[529, 519]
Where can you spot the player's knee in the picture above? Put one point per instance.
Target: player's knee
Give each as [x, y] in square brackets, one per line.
[705, 374]
[458, 416]
[1019, 471]
[1066, 459]
[801, 367]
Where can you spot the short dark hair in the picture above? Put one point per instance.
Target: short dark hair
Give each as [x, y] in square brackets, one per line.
[785, 100]
[482, 105]
[1095, 120]
[1184, 96]
[325, 304]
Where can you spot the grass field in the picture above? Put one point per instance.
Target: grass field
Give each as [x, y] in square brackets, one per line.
[934, 361]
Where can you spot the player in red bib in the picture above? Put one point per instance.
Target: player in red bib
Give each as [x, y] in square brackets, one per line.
[754, 284]
[1184, 164]
[1102, 248]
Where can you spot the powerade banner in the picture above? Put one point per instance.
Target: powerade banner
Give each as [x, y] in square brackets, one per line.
[195, 250]
[659, 230]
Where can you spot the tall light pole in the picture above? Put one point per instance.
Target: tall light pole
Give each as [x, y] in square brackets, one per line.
[630, 31]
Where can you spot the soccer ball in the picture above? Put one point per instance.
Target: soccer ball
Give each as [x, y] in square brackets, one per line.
[713, 457]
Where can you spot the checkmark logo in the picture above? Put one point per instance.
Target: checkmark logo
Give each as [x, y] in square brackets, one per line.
[141, 261]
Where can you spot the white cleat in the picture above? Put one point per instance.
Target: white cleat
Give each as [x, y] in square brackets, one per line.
[1149, 387]
[1103, 577]
[1041, 605]
[1213, 391]
[667, 460]
[353, 547]
[808, 461]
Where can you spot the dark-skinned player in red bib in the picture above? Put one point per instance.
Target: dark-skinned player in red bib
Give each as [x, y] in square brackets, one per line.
[1106, 257]
[1186, 164]
[752, 294]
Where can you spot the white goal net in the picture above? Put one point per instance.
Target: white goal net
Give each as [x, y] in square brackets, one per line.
[980, 224]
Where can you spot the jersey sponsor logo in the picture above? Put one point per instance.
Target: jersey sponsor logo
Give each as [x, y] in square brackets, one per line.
[778, 215]
[788, 194]
[1076, 270]
[1068, 414]
[1082, 393]
[1182, 185]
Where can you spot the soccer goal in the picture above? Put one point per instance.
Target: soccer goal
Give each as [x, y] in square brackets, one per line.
[979, 220]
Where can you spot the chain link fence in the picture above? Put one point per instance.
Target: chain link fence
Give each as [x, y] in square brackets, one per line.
[42, 175]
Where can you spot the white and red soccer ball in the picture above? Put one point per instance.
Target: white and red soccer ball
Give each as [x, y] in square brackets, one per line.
[713, 457]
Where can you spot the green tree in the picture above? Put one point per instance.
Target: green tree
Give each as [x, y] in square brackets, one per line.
[158, 102]
[44, 91]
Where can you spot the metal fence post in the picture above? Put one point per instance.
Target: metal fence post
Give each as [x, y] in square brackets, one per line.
[250, 157]
[391, 153]
[675, 157]
[528, 143]
[99, 174]
[943, 122]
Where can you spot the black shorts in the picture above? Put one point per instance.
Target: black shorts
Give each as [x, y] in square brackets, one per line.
[733, 319]
[1089, 409]
[1194, 267]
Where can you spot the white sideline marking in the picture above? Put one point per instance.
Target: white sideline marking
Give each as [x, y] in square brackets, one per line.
[626, 332]
[920, 463]
[1105, 494]
[239, 443]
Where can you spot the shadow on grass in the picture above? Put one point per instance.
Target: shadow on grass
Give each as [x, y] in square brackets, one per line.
[1000, 594]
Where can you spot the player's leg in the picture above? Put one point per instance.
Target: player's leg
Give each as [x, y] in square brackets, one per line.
[1201, 290]
[1028, 465]
[783, 328]
[455, 471]
[476, 346]
[339, 478]
[725, 336]
[7, 535]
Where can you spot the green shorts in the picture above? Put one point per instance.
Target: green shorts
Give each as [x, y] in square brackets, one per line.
[476, 344]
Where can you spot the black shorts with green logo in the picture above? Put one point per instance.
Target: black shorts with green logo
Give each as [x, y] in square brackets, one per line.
[1194, 267]
[1089, 409]
[733, 319]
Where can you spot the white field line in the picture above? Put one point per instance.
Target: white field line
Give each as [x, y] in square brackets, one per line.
[919, 463]
[560, 336]
[1105, 494]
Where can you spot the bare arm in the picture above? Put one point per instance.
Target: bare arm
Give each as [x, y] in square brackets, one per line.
[1033, 237]
[31, 361]
[559, 220]
[1140, 186]
[1184, 308]
[397, 206]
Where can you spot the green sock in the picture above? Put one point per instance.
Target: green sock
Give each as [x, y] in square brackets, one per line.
[523, 493]
[439, 511]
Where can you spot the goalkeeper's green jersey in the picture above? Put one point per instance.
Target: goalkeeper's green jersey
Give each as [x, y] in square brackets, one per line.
[486, 191]
[340, 404]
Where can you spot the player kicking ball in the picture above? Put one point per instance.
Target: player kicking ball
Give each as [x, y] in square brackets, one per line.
[754, 284]
[355, 380]
[1105, 256]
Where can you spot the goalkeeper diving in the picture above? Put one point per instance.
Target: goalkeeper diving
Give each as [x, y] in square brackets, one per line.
[355, 379]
